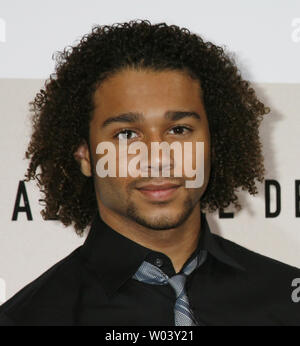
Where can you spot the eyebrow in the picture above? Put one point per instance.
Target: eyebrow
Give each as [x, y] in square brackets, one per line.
[132, 117]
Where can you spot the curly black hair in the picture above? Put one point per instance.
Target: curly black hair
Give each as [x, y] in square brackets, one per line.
[63, 109]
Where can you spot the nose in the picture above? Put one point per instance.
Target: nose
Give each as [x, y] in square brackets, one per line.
[160, 160]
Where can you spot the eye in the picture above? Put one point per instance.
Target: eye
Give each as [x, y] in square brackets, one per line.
[180, 130]
[125, 134]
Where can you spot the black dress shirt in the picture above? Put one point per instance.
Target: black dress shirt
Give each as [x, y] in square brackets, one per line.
[94, 286]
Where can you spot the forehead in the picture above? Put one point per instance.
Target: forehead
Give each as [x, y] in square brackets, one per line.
[146, 91]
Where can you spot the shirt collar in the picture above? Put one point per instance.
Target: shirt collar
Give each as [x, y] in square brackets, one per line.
[208, 242]
[114, 258]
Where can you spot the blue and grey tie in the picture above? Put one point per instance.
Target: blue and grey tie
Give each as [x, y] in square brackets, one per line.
[151, 274]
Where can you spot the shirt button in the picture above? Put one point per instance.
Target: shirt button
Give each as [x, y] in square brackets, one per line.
[158, 262]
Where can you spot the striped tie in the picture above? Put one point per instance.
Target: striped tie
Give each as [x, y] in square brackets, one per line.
[151, 274]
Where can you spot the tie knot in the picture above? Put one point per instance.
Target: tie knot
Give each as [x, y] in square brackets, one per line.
[151, 274]
[178, 283]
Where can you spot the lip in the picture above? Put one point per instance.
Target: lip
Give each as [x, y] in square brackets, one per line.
[159, 191]
[158, 186]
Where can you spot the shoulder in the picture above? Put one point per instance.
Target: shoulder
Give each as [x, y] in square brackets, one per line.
[253, 261]
[51, 296]
[269, 288]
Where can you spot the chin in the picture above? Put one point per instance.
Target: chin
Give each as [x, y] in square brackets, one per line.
[159, 223]
[159, 218]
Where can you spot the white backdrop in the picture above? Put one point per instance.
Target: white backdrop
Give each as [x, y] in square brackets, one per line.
[265, 39]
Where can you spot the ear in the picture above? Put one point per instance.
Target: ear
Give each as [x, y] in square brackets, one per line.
[82, 156]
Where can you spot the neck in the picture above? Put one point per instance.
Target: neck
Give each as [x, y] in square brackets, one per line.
[177, 243]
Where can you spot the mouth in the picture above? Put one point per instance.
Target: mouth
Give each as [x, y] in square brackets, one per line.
[159, 192]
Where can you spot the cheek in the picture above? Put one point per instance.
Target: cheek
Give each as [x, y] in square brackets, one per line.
[197, 165]
[112, 192]
[110, 183]
[108, 188]
[205, 138]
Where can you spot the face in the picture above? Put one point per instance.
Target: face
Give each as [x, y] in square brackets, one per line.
[148, 106]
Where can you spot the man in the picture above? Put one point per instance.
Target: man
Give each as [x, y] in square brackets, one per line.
[149, 258]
